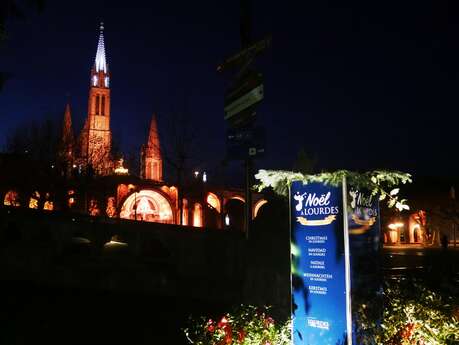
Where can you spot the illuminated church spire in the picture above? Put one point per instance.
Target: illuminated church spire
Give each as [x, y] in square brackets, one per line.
[96, 138]
[152, 162]
[101, 61]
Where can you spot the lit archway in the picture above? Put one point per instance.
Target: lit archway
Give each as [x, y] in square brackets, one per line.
[237, 197]
[257, 207]
[147, 205]
[197, 215]
[11, 199]
[214, 201]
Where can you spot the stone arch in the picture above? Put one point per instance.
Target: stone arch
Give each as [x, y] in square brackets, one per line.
[197, 215]
[214, 201]
[237, 197]
[234, 212]
[259, 204]
[147, 205]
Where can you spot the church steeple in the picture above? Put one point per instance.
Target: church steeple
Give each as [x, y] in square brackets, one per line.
[99, 74]
[96, 145]
[152, 162]
[67, 130]
[101, 62]
[66, 145]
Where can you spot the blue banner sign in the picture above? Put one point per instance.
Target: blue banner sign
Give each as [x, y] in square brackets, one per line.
[320, 265]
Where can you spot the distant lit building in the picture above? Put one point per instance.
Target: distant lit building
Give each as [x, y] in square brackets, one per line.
[111, 191]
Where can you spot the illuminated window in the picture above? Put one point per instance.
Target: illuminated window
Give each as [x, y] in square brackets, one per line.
[94, 208]
[185, 212]
[11, 199]
[111, 208]
[213, 201]
[103, 105]
[94, 80]
[197, 215]
[147, 205]
[107, 81]
[71, 198]
[97, 104]
[48, 205]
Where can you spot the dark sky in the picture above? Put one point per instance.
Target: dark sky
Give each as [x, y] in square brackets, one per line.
[360, 84]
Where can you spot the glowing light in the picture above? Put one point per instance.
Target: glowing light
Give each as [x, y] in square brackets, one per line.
[114, 243]
[184, 212]
[395, 226]
[107, 80]
[197, 215]
[94, 80]
[144, 208]
[48, 205]
[111, 209]
[121, 170]
[196, 174]
[213, 201]
[204, 177]
[147, 205]
[101, 62]
[11, 199]
[237, 197]
[227, 220]
[33, 203]
[71, 200]
[258, 206]
[94, 208]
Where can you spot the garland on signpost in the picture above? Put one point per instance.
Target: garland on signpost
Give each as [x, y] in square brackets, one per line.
[378, 182]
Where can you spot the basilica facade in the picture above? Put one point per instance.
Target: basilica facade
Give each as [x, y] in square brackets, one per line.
[147, 197]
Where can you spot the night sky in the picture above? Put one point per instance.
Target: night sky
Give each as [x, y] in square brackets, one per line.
[359, 85]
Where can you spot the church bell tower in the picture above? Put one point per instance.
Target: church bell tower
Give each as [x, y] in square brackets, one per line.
[96, 145]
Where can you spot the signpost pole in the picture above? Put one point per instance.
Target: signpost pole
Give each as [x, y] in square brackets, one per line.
[347, 264]
[248, 196]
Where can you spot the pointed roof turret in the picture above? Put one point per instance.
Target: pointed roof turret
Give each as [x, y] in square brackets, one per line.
[67, 131]
[153, 138]
[101, 62]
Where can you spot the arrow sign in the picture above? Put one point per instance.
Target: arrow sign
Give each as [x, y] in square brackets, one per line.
[243, 102]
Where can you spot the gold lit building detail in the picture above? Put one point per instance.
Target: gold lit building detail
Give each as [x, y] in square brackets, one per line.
[33, 201]
[111, 207]
[48, 205]
[147, 205]
[11, 199]
[151, 160]
[184, 212]
[197, 215]
[94, 209]
[213, 201]
[257, 207]
[94, 142]
[91, 181]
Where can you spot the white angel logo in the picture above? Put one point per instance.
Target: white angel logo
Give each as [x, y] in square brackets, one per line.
[299, 197]
[354, 194]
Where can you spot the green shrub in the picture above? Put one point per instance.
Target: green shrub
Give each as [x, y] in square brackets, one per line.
[415, 315]
[247, 325]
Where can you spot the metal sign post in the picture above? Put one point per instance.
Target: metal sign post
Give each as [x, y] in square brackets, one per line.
[244, 141]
